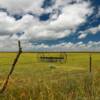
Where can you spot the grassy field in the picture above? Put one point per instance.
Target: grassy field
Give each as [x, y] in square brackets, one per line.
[35, 80]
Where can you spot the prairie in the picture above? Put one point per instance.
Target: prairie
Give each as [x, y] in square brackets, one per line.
[36, 80]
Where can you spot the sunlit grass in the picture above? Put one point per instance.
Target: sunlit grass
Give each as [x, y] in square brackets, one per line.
[34, 80]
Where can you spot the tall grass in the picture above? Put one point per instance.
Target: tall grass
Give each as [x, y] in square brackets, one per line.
[67, 87]
[46, 81]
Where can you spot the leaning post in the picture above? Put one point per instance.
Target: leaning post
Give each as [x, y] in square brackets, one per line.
[12, 68]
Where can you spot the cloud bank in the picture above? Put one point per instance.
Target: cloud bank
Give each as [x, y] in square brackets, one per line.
[65, 17]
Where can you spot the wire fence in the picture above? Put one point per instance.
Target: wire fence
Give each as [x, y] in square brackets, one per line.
[47, 58]
[39, 58]
[34, 58]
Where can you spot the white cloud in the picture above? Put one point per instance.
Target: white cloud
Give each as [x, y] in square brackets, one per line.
[59, 25]
[92, 30]
[22, 6]
[72, 16]
[9, 26]
[82, 35]
[6, 24]
[69, 46]
[12, 45]
[25, 23]
[67, 22]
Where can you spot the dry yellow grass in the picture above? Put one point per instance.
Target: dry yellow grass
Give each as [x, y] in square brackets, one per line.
[34, 80]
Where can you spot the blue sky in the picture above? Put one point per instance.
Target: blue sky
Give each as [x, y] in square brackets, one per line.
[57, 25]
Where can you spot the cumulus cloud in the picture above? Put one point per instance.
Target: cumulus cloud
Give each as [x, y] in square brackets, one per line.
[82, 36]
[22, 6]
[67, 22]
[6, 24]
[9, 26]
[92, 30]
[69, 46]
[72, 16]
[65, 46]
[65, 18]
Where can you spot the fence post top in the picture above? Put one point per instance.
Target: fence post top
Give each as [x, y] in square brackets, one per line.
[19, 46]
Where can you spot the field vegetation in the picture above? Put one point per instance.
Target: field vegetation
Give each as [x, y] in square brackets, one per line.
[36, 80]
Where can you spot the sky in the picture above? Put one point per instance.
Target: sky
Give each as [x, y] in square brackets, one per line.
[50, 25]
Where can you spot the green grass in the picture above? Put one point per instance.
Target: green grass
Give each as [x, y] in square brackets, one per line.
[34, 80]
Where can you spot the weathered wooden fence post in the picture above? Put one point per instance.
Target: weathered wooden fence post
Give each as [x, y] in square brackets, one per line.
[66, 57]
[90, 63]
[12, 68]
